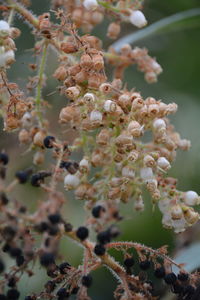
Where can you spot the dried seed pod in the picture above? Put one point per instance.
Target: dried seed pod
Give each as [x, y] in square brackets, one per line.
[68, 47]
[39, 138]
[110, 106]
[98, 62]
[86, 61]
[72, 92]
[135, 129]
[103, 137]
[113, 30]
[60, 73]
[24, 136]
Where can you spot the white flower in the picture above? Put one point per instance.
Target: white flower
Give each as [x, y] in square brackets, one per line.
[89, 97]
[128, 172]
[138, 19]
[163, 163]
[191, 198]
[71, 181]
[95, 116]
[9, 56]
[109, 106]
[84, 165]
[146, 174]
[159, 124]
[4, 28]
[90, 4]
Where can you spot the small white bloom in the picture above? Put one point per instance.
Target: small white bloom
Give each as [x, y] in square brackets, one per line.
[146, 174]
[128, 172]
[89, 97]
[90, 4]
[26, 119]
[159, 124]
[71, 181]
[109, 106]
[163, 163]
[191, 198]
[9, 56]
[96, 116]
[84, 165]
[138, 19]
[4, 28]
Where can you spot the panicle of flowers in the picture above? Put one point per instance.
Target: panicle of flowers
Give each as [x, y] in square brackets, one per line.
[116, 162]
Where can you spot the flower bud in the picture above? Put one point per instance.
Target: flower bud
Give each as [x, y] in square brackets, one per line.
[191, 216]
[109, 106]
[39, 138]
[163, 163]
[128, 172]
[148, 161]
[135, 129]
[133, 156]
[191, 198]
[24, 136]
[176, 212]
[84, 166]
[4, 28]
[138, 19]
[71, 181]
[96, 116]
[113, 30]
[146, 174]
[159, 124]
[103, 137]
[72, 92]
[90, 4]
[89, 97]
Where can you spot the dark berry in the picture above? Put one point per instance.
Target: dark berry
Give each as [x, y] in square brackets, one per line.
[64, 267]
[42, 227]
[47, 259]
[8, 233]
[71, 167]
[20, 260]
[104, 237]
[170, 278]
[177, 288]
[48, 141]
[3, 297]
[4, 159]
[159, 272]
[15, 252]
[12, 282]
[188, 290]
[22, 176]
[129, 262]
[96, 211]
[3, 198]
[13, 294]
[62, 293]
[82, 233]
[50, 286]
[2, 266]
[36, 180]
[86, 280]
[53, 230]
[145, 264]
[28, 298]
[54, 218]
[99, 250]
[6, 248]
[75, 290]
[183, 276]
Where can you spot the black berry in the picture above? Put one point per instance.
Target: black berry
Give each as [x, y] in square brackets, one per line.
[82, 233]
[62, 294]
[145, 264]
[99, 250]
[170, 278]
[64, 267]
[48, 141]
[13, 294]
[12, 282]
[50, 286]
[104, 237]
[129, 262]
[15, 252]
[159, 272]
[47, 259]
[177, 288]
[2, 266]
[86, 280]
[20, 260]
[4, 159]
[183, 276]
[54, 218]
[22, 176]
[96, 211]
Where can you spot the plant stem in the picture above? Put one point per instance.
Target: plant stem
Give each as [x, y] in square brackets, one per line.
[40, 81]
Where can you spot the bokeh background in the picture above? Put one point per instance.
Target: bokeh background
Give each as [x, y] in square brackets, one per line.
[178, 54]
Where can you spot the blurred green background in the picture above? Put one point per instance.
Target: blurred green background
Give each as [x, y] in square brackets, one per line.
[178, 54]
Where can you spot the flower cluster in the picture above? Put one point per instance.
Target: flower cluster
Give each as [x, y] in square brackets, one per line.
[111, 126]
